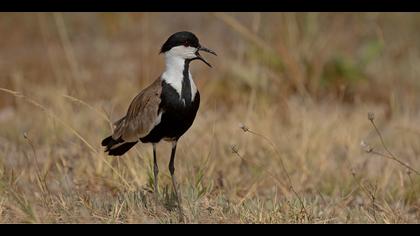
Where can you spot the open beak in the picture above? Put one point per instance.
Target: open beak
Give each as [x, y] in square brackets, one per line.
[199, 57]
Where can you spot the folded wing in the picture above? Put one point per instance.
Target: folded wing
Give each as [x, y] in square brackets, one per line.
[141, 116]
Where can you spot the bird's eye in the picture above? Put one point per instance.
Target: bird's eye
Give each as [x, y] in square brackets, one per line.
[186, 44]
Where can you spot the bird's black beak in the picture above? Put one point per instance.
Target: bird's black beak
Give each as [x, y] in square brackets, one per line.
[199, 57]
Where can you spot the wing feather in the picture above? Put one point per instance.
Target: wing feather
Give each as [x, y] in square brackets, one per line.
[142, 114]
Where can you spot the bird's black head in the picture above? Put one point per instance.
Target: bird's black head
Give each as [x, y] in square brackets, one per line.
[186, 45]
[183, 38]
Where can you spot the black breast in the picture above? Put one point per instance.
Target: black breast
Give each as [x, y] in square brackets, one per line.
[178, 115]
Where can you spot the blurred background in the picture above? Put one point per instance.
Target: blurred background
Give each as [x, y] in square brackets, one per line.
[306, 81]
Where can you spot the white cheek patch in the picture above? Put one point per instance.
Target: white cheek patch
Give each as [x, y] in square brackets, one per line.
[182, 51]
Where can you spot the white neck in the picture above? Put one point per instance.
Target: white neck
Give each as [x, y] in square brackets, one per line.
[174, 64]
[173, 74]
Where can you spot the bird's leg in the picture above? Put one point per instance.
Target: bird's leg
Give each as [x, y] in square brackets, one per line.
[155, 173]
[172, 171]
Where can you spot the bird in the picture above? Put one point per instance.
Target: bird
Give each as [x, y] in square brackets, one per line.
[164, 110]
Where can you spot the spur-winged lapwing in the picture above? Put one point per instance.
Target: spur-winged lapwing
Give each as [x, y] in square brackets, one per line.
[164, 110]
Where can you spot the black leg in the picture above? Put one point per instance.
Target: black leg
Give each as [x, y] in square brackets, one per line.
[172, 171]
[155, 173]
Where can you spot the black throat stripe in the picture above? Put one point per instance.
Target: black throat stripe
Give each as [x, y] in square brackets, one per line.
[186, 85]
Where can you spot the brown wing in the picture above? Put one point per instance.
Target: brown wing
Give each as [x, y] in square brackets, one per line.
[141, 115]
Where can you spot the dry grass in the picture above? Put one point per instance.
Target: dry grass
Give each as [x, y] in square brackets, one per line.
[303, 86]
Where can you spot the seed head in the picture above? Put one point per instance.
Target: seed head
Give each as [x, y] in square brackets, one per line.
[243, 127]
[371, 116]
[353, 172]
[366, 147]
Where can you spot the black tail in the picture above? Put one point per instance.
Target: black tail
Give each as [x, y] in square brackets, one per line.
[116, 147]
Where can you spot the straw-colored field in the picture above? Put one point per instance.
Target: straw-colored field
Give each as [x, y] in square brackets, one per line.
[277, 138]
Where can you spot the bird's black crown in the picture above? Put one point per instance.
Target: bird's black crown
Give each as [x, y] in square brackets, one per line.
[180, 38]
